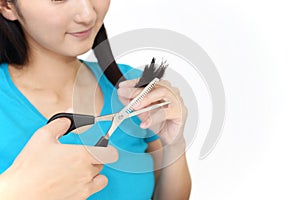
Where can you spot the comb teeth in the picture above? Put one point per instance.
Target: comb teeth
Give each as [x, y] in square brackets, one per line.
[142, 95]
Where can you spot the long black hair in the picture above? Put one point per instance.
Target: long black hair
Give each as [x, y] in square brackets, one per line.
[14, 49]
[13, 46]
[105, 57]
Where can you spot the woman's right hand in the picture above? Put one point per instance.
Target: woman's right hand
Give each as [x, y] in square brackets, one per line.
[47, 169]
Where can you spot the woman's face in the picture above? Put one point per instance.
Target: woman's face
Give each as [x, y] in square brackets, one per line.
[66, 27]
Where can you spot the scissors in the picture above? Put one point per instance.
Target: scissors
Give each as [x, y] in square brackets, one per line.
[79, 120]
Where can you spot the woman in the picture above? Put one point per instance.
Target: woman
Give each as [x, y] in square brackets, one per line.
[40, 75]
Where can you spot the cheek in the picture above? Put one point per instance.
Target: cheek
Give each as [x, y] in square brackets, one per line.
[101, 7]
[46, 24]
[43, 30]
[35, 22]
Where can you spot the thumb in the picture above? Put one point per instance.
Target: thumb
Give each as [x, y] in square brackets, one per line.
[102, 155]
[56, 128]
[98, 183]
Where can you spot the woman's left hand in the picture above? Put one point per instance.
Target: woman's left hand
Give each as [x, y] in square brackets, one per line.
[168, 122]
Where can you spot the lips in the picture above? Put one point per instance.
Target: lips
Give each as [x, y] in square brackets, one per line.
[82, 34]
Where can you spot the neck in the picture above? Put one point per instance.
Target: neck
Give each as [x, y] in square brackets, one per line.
[47, 72]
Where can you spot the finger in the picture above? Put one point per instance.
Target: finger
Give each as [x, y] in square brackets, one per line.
[164, 83]
[101, 155]
[70, 110]
[56, 128]
[159, 115]
[98, 167]
[95, 169]
[133, 82]
[144, 116]
[98, 183]
[155, 121]
[82, 129]
[128, 92]
[156, 96]
[155, 117]
[128, 83]
[124, 101]
[167, 85]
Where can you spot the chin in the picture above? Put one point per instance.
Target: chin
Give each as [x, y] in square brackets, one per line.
[81, 50]
[85, 51]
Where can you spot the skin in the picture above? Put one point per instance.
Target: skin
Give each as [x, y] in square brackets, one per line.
[168, 152]
[25, 179]
[50, 76]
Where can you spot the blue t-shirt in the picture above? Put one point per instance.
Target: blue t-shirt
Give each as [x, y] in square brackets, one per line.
[131, 177]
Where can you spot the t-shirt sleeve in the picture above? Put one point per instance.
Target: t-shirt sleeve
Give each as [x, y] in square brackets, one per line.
[151, 136]
[130, 72]
[133, 73]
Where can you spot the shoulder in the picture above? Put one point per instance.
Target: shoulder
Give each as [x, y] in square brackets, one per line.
[3, 66]
[3, 74]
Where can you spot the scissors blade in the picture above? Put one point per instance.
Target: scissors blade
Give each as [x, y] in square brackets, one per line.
[105, 118]
[119, 117]
[147, 109]
[140, 96]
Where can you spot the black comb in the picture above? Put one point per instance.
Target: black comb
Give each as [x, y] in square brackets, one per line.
[150, 72]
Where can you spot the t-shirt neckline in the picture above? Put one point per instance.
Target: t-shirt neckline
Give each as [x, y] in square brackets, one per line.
[32, 108]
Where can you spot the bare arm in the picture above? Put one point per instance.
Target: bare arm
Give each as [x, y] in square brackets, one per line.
[173, 181]
[172, 175]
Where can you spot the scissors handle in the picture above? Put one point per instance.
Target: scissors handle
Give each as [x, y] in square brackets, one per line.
[77, 120]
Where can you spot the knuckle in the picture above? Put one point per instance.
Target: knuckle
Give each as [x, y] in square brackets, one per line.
[89, 175]
[98, 169]
[43, 131]
[184, 111]
[81, 154]
[163, 91]
[164, 82]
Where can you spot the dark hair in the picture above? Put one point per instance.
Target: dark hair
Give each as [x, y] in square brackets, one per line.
[14, 49]
[13, 46]
[106, 59]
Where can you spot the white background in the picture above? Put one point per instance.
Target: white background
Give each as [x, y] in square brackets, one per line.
[255, 47]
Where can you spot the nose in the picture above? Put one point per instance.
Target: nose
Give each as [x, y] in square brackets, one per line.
[85, 13]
